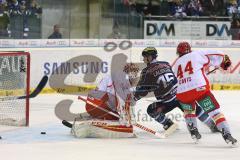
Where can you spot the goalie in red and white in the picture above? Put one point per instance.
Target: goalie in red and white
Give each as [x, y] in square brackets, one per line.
[108, 111]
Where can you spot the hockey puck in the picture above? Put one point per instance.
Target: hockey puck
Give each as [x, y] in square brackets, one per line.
[0, 137]
[43, 132]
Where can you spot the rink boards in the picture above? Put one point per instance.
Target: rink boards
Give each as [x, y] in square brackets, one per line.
[80, 68]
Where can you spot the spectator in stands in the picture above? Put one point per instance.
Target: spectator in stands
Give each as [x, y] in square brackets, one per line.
[232, 9]
[14, 7]
[4, 6]
[31, 7]
[56, 32]
[180, 9]
[144, 8]
[231, 1]
[116, 34]
[22, 8]
[171, 7]
[195, 8]
[235, 29]
[238, 3]
[4, 21]
[213, 7]
[147, 8]
[2, 1]
[34, 8]
[132, 7]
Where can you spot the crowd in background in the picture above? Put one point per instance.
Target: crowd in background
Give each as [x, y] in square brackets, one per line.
[27, 13]
[20, 7]
[228, 10]
[183, 8]
[17, 12]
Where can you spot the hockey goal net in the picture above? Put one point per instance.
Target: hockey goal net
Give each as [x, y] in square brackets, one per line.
[14, 82]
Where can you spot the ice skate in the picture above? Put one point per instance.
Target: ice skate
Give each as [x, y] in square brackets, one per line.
[229, 139]
[194, 133]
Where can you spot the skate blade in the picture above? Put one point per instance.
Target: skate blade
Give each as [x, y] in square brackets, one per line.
[195, 140]
[160, 135]
[233, 145]
[170, 130]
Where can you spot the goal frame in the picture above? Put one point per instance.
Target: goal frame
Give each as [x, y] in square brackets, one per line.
[27, 54]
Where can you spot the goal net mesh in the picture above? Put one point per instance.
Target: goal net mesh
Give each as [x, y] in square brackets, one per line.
[14, 82]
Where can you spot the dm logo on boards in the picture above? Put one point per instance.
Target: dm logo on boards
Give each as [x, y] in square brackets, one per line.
[214, 29]
[160, 28]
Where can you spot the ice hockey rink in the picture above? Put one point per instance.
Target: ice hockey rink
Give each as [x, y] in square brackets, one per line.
[26, 143]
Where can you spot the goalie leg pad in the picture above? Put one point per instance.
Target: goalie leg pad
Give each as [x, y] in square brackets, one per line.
[83, 117]
[101, 129]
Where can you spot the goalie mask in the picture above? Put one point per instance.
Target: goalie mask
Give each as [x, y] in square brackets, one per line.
[183, 48]
[131, 70]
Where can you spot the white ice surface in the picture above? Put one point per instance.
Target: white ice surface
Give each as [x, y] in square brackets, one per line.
[27, 143]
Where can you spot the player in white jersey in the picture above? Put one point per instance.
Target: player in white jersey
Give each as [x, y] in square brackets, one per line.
[106, 115]
[194, 90]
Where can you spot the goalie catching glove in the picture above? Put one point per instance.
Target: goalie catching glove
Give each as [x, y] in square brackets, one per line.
[226, 62]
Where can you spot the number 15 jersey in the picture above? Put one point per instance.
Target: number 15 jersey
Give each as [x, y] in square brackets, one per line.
[158, 78]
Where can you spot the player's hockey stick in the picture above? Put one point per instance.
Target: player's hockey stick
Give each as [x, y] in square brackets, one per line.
[212, 70]
[116, 115]
[37, 90]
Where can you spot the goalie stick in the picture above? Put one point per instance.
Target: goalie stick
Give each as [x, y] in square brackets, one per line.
[67, 124]
[36, 91]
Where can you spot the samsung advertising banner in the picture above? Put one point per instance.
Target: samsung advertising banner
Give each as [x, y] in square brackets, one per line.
[195, 30]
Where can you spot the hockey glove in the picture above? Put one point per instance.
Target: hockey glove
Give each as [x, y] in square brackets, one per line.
[226, 62]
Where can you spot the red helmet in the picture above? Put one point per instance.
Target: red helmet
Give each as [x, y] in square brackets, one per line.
[183, 48]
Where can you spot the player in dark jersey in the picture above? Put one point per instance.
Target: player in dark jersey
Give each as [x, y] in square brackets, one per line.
[159, 78]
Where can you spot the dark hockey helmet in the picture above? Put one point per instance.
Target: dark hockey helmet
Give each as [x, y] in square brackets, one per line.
[150, 51]
[183, 48]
